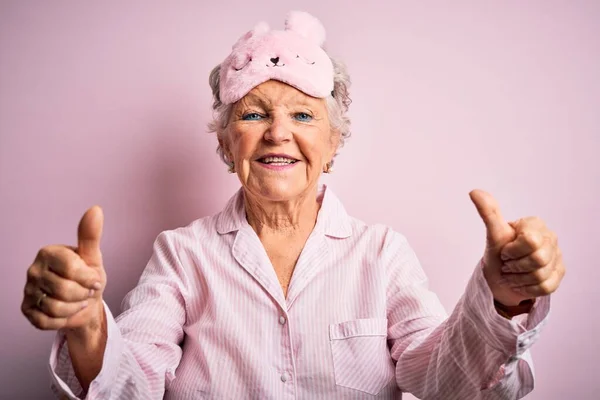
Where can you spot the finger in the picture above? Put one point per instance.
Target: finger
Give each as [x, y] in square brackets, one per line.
[496, 227]
[30, 291]
[60, 309]
[63, 289]
[538, 259]
[89, 234]
[45, 251]
[526, 279]
[42, 321]
[66, 263]
[34, 272]
[541, 289]
[528, 223]
[526, 243]
[59, 258]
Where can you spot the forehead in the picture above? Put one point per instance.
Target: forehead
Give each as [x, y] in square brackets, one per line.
[274, 92]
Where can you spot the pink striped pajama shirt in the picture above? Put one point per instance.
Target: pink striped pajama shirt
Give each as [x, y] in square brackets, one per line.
[208, 320]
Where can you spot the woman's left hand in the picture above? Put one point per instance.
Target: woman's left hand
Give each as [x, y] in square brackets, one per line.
[522, 259]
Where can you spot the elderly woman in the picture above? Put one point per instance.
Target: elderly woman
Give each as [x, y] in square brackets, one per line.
[283, 295]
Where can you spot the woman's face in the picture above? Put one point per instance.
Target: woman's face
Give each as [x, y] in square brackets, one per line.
[280, 140]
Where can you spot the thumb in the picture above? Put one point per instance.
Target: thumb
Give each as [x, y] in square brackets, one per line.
[89, 233]
[499, 232]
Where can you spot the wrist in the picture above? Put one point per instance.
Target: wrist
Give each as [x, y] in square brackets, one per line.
[92, 332]
[509, 312]
[87, 345]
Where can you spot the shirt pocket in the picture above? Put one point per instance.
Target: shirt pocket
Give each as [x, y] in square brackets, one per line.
[361, 358]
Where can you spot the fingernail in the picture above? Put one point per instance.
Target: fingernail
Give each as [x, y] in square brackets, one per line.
[92, 291]
[506, 269]
[84, 304]
[97, 285]
[516, 289]
[503, 257]
[502, 281]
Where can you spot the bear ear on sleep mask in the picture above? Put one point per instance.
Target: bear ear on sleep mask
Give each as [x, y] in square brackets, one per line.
[294, 56]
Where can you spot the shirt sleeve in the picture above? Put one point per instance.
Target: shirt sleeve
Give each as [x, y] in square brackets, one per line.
[473, 354]
[143, 343]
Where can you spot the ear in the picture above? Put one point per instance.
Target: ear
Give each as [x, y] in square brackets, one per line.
[306, 25]
[260, 29]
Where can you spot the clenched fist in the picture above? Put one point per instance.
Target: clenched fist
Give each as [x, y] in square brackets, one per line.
[65, 284]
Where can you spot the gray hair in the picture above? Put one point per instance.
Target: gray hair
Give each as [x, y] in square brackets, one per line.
[337, 105]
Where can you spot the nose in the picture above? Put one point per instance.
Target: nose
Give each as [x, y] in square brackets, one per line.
[275, 60]
[278, 132]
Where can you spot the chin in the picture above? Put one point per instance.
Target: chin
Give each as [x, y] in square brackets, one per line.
[281, 191]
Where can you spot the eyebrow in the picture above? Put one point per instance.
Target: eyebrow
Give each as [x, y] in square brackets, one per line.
[302, 99]
[253, 98]
[296, 100]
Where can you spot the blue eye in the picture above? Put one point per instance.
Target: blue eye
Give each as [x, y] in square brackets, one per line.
[251, 117]
[303, 117]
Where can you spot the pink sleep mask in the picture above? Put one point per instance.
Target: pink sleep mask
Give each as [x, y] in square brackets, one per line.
[293, 56]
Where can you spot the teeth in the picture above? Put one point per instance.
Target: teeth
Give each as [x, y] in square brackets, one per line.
[277, 160]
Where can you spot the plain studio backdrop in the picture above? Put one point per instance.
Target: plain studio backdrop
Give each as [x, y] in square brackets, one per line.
[107, 103]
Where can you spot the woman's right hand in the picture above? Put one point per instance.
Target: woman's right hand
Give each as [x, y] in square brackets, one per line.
[65, 284]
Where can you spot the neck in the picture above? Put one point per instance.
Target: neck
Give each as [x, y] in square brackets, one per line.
[289, 216]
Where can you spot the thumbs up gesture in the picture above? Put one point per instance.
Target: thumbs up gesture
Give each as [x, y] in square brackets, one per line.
[522, 259]
[65, 284]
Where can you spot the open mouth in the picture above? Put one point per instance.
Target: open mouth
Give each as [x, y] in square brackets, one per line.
[277, 161]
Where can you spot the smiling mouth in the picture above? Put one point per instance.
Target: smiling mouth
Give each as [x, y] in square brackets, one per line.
[277, 161]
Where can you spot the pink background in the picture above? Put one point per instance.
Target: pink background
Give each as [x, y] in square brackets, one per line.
[108, 104]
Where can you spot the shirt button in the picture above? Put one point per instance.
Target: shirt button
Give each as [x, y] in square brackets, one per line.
[282, 321]
[284, 378]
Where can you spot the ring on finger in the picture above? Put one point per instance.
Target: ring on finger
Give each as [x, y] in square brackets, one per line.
[41, 298]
